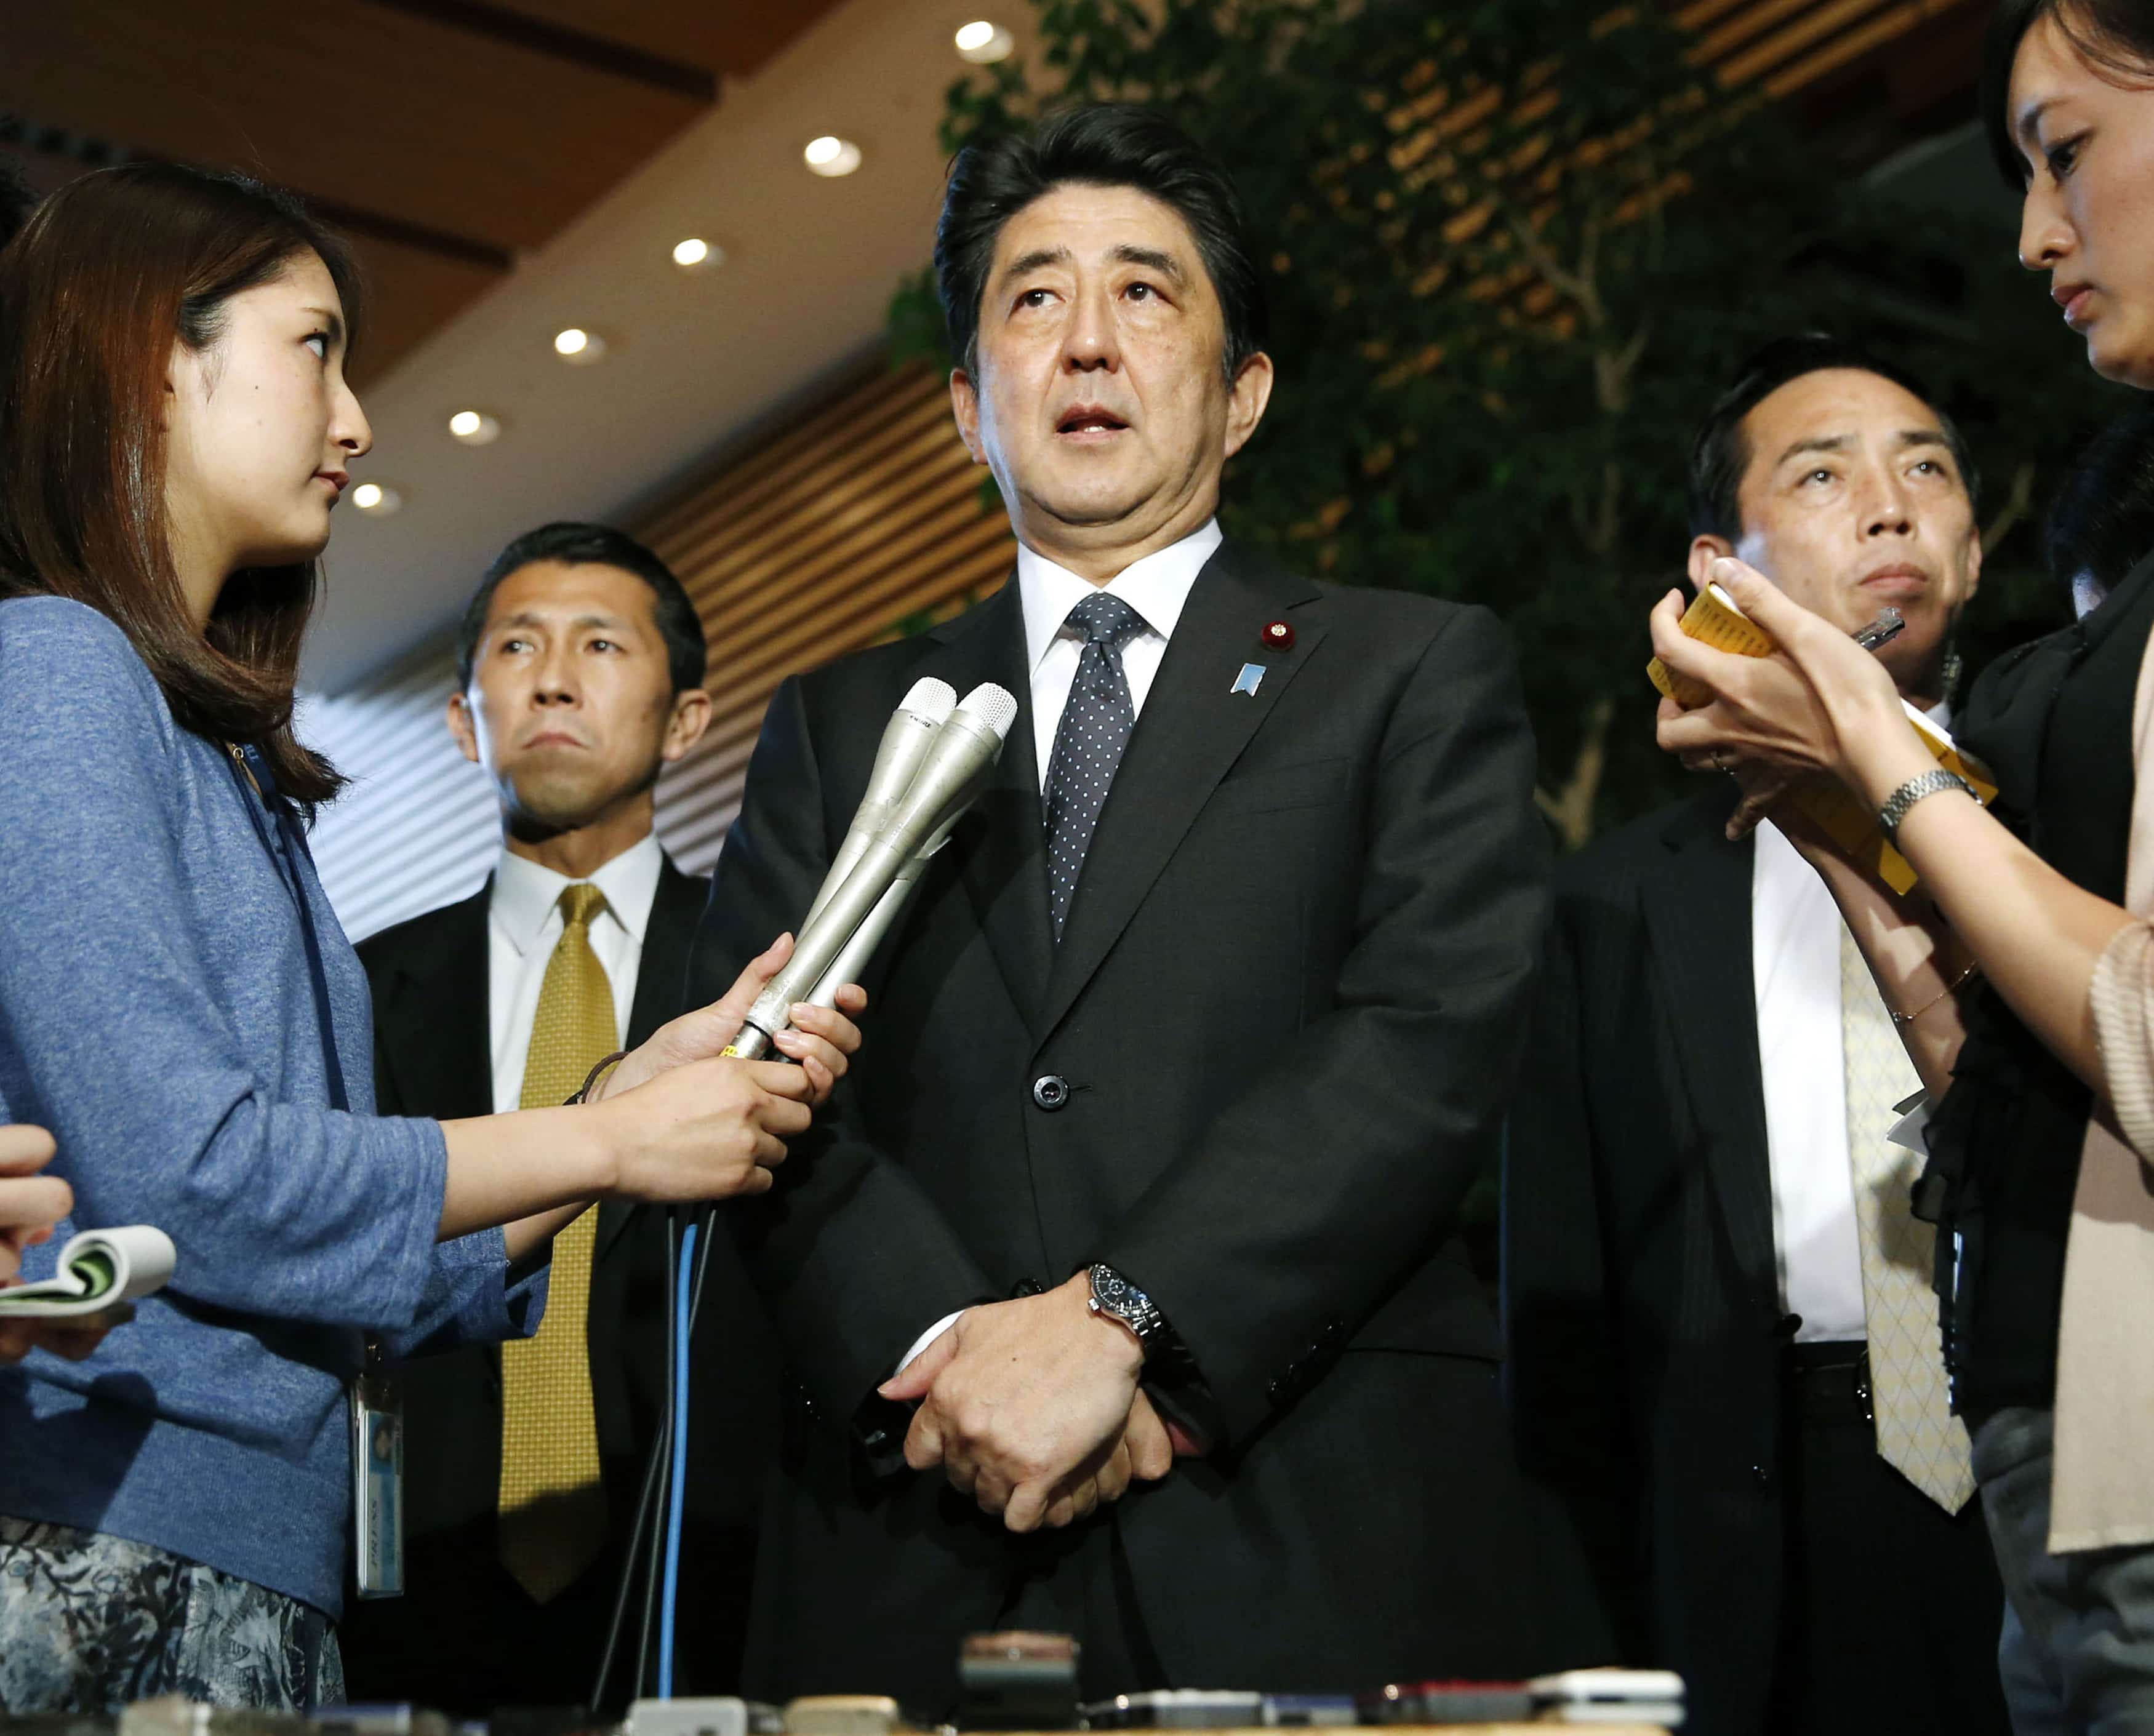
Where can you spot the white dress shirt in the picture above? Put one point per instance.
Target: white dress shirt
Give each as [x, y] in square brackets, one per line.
[1156, 587]
[523, 926]
[1794, 958]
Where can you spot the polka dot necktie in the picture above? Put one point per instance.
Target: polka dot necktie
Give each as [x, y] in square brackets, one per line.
[553, 1506]
[1095, 727]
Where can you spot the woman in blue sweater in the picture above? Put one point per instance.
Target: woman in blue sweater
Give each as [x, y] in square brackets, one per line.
[177, 1004]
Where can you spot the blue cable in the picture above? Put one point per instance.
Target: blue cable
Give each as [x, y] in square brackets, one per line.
[677, 1495]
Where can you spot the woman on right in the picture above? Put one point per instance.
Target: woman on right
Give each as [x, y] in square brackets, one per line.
[2021, 967]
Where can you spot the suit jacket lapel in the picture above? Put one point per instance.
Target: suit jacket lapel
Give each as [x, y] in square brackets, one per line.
[1193, 727]
[661, 990]
[1002, 857]
[435, 1037]
[1698, 913]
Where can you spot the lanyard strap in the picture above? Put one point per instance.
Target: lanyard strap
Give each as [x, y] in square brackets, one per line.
[286, 861]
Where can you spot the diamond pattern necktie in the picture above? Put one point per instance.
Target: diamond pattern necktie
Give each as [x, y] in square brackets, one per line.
[553, 1506]
[1094, 729]
[1917, 1432]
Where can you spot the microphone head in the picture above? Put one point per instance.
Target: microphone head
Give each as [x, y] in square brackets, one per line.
[993, 706]
[929, 698]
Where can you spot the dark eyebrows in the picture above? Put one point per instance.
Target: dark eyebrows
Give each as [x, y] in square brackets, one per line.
[526, 618]
[1820, 443]
[1038, 259]
[1907, 438]
[2030, 119]
[330, 318]
[1151, 259]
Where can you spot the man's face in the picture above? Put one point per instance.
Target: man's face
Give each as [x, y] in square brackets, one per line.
[1851, 501]
[570, 707]
[1102, 403]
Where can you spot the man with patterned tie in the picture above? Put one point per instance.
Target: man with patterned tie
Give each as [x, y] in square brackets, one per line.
[1189, 1048]
[580, 673]
[1724, 1343]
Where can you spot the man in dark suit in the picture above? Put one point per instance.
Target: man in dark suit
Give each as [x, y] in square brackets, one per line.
[1184, 1055]
[580, 673]
[1724, 1346]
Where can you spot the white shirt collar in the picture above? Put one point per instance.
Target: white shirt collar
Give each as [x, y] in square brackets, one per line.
[1156, 587]
[525, 893]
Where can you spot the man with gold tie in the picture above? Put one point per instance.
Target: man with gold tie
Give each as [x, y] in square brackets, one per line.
[580, 670]
[1724, 1345]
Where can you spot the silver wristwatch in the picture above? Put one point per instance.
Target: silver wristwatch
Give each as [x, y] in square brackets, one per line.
[1115, 1297]
[1912, 791]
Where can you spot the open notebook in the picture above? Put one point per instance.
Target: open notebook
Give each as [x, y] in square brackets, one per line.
[1713, 618]
[98, 1269]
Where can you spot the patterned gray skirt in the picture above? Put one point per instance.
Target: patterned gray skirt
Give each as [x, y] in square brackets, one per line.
[89, 1623]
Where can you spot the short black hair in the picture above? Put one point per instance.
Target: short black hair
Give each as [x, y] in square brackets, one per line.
[1720, 453]
[1104, 144]
[2116, 36]
[2102, 524]
[592, 545]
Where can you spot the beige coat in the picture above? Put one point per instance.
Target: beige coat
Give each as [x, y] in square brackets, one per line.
[2102, 1491]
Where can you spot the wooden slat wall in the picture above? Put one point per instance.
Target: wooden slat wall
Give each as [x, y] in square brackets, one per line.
[863, 516]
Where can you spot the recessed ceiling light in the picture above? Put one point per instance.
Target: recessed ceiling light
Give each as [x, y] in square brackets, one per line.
[696, 255]
[832, 155]
[474, 427]
[376, 498]
[983, 43]
[579, 346]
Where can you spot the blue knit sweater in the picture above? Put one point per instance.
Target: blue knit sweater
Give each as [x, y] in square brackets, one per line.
[157, 1013]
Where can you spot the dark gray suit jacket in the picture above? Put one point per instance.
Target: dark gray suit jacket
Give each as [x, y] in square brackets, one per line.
[1641, 1285]
[1283, 1018]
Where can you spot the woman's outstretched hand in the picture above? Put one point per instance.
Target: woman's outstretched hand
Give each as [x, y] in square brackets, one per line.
[1819, 706]
[696, 1126]
[822, 1039]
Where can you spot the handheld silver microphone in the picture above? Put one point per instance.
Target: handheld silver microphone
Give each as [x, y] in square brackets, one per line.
[950, 777]
[906, 740]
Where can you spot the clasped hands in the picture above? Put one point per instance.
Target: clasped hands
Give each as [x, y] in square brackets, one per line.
[1032, 1408]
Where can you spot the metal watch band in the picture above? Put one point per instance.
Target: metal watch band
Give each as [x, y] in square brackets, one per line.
[1912, 791]
[1128, 1303]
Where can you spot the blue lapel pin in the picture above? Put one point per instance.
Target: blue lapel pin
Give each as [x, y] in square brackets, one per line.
[1246, 682]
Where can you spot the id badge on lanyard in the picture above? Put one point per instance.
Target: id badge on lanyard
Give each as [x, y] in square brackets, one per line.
[377, 1478]
[376, 1400]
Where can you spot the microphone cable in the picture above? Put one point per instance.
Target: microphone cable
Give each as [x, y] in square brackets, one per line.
[679, 1492]
[648, 1526]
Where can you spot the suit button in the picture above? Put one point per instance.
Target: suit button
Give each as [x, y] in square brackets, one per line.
[1050, 1091]
[1761, 1477]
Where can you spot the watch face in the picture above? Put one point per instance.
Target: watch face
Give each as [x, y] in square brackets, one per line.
[1113, 1290]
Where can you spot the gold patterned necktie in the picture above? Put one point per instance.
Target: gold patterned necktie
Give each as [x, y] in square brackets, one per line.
[553, 1508]
[1917, 1432]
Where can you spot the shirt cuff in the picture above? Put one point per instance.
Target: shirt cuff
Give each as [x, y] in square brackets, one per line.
[926, 1339]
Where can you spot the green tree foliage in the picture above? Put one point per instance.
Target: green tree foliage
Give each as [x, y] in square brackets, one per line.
[1515, 249]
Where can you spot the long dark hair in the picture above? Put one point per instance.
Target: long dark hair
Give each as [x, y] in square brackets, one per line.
[108, 274]
[2115, 35]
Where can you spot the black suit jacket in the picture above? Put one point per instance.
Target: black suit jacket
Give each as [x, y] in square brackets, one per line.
[429, 977]
[1641, 1289]
[1285, 1011]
